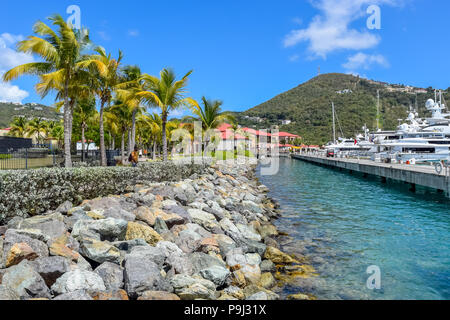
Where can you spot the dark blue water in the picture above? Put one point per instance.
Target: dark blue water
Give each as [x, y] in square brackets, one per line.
[345, 223]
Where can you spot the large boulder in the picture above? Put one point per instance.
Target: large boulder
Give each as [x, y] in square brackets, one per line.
[100, 251]
[51, 268]
[12, 237]
[202, 261]
[205, 219]
[112, 275]
[114, 207]
[105, 229]
[78, 280]
[25, 281]
[216, 274]
[51, 225]
[190, 288]
[139, 231]
[143, 274]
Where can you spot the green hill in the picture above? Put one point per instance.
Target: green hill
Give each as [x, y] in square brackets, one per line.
[8, 111]
[308, 106]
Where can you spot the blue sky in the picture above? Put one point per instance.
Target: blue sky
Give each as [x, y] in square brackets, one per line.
[246, 52]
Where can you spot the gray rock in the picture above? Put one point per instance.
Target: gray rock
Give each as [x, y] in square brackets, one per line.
[216, 274]
[142, 274]
[51, 268]
[253, 259]
[78, 280]
[251, 206]
[148, 253]
[180, 264]
[205, 219]
[262, 296]
[52, 225]
[79, 295]
[65, 207]
[179, 211]
[14, 222]
[248, 232]
[25, 281]
[100, 251]
[113, 207]
[106, 229]
[181, 281]
[128, 245]
[160, 226]
[187, 240]
[3, 230]
[12, 237]
[202, 261]
[236, 257]
[225, 243]
[169, 248]
[267, 266]
[7, 294]
[112, 275]
[252, 246]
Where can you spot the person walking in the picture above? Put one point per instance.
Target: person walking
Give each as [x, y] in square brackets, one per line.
[134, 157]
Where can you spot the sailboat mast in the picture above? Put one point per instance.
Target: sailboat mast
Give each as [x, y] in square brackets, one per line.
[378, 109]
[334, 124]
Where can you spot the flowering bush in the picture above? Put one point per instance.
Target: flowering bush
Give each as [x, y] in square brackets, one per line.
[24, 193]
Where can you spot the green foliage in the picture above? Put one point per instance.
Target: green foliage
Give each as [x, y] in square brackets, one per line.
[308, 106]
[24, 193]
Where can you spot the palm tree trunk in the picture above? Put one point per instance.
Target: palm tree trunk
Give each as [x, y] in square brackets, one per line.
[122, 147]
[154, 149]
[133, 130]
[83, 156]
[67, 132]
[113, 143]
[129, 142]
[103, 161]
[164, 136]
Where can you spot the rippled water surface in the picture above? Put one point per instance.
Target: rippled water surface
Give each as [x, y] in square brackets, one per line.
[346, 223]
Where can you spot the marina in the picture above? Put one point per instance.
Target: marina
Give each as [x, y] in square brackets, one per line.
[423, 175]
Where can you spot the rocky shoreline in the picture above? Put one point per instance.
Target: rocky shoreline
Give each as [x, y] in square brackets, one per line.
[209, 237]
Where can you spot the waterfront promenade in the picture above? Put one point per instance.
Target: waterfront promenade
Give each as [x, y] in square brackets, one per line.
[413, 174]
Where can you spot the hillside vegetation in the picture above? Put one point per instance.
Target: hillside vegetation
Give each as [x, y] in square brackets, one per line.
[308, 106]
[8, 111]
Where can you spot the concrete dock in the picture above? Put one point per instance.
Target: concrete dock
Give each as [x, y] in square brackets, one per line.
[413, 174]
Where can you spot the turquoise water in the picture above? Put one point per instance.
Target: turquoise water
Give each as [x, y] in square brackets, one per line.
[345, 223]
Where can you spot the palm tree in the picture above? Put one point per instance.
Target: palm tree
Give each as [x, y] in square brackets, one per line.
[107, 77]
[86, 111]
[18, 127]
[127, 92]
[121, 116]
[61, 52]
[211, 115]
[36, 127]
[167, 94]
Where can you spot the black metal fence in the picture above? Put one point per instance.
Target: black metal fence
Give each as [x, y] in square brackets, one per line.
[33, 158]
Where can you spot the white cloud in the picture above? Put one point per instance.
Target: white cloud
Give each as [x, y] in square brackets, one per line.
[294, 58]
[9, 58]
[133, 33]
[364, 61]
[331, 29]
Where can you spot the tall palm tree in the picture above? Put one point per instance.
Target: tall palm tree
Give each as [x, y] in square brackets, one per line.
[211, 115]
[167, 94]
[62, 60]
[107, 78]
[127, 92]
[18, 127]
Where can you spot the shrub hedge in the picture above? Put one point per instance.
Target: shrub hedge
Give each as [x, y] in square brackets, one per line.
[24, 193]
